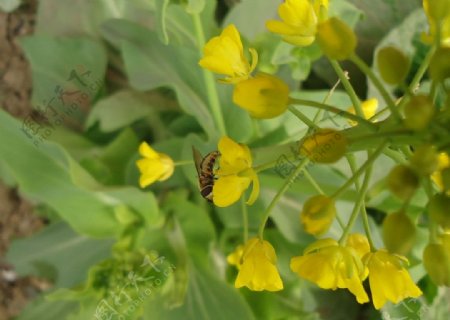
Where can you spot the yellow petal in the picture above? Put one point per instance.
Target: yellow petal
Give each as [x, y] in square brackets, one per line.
[146, 151]
[255, 189]
[228, 189]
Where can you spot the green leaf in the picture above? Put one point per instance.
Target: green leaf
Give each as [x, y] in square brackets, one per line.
[42, 309]
[119, 110]
[150, 64]
[207, 298]
[161, 9]
[59, 252]
[9, 5]
[54, 64]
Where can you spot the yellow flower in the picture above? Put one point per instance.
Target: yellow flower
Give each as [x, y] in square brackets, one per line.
[438, 14]
[235, 257]
[332, 266]
[264, 96]
[318, 214]
[443, 163]
[359, 243]
[258, 270]
[234, 175]
[224, 54]
[369, 108]
[154, 167]
[388, 278]
[300, 19]
[324, 146]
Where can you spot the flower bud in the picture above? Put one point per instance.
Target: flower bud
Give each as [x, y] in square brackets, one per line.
[440, 64]
[402, 181]
[418, 112]
[439, 209]
[393, 65]
[425, 160]
[264, 96]
[324, 146]
[336, 39]
[436, 260]
[399, 233]
[318, 214]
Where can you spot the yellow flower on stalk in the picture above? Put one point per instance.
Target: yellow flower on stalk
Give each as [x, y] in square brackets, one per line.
[299, 20]
[369, 108]
[224, 54]
[388, 278]
[332, 266]
[264, 96]
[258, 270]
[443, 163]
[359, 243]
[438, 14]
[235, 174]
[317, 214]
[235, 257]
[154, 166]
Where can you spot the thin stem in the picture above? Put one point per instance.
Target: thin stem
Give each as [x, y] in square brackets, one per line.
[360, 171]
[326, 107]
[183, 162]
[313, 181]
[367, 226]
[302, 117]
[359, 201]
[244, 219]
[279, 194]
[348, 87]
[381, 88]
[271, 164]
[353, 167]
[211, 90]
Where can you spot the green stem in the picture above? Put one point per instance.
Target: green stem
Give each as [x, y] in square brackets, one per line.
[244, 219]
[381, 88]
[279, 194]
[313, 182]
[359, 201]
[360, 171]
[398, 132]
[183, 162]
[271, 164]
[302, 117]
[211, 90]
[326, 107]
[348, 87]
[367, 227]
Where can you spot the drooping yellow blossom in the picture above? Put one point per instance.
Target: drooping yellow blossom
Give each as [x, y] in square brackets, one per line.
[299, 20]
[369, 108]
[336, 39]
[235, 257]
[264, 96]
[359, 243]
[443, 163]
[258, 270]
[438, 14]
[388, 278]
[235, 174]
[318, 214]
[154, 166]
[224, 54]
[324, 146]
[332, 266]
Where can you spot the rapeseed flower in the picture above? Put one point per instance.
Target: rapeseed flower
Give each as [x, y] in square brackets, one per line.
[332, 266]
[154, 166]
[388, 278]
[369, 108]
[234, 175]
[224, 54]
[299, 20]
[258, 270]
[264, 96]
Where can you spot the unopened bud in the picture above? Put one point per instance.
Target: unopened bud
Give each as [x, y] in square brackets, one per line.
[402, 181]
[399, 233]
[418, 112]
[393, 65]
[318, 214]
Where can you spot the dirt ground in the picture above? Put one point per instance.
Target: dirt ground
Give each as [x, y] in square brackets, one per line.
[16, 214]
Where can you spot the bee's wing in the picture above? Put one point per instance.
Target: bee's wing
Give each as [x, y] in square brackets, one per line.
[197, 159]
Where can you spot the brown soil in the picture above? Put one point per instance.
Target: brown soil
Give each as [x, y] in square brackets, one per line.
[16, 214]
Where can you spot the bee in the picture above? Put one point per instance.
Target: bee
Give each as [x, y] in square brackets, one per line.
[205, 170]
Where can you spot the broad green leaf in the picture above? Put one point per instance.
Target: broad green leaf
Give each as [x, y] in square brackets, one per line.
[42, 309]
[74, 65]
[119, 110]
[161, 9]
[207, 298]
[9, 5]
[58, 253]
